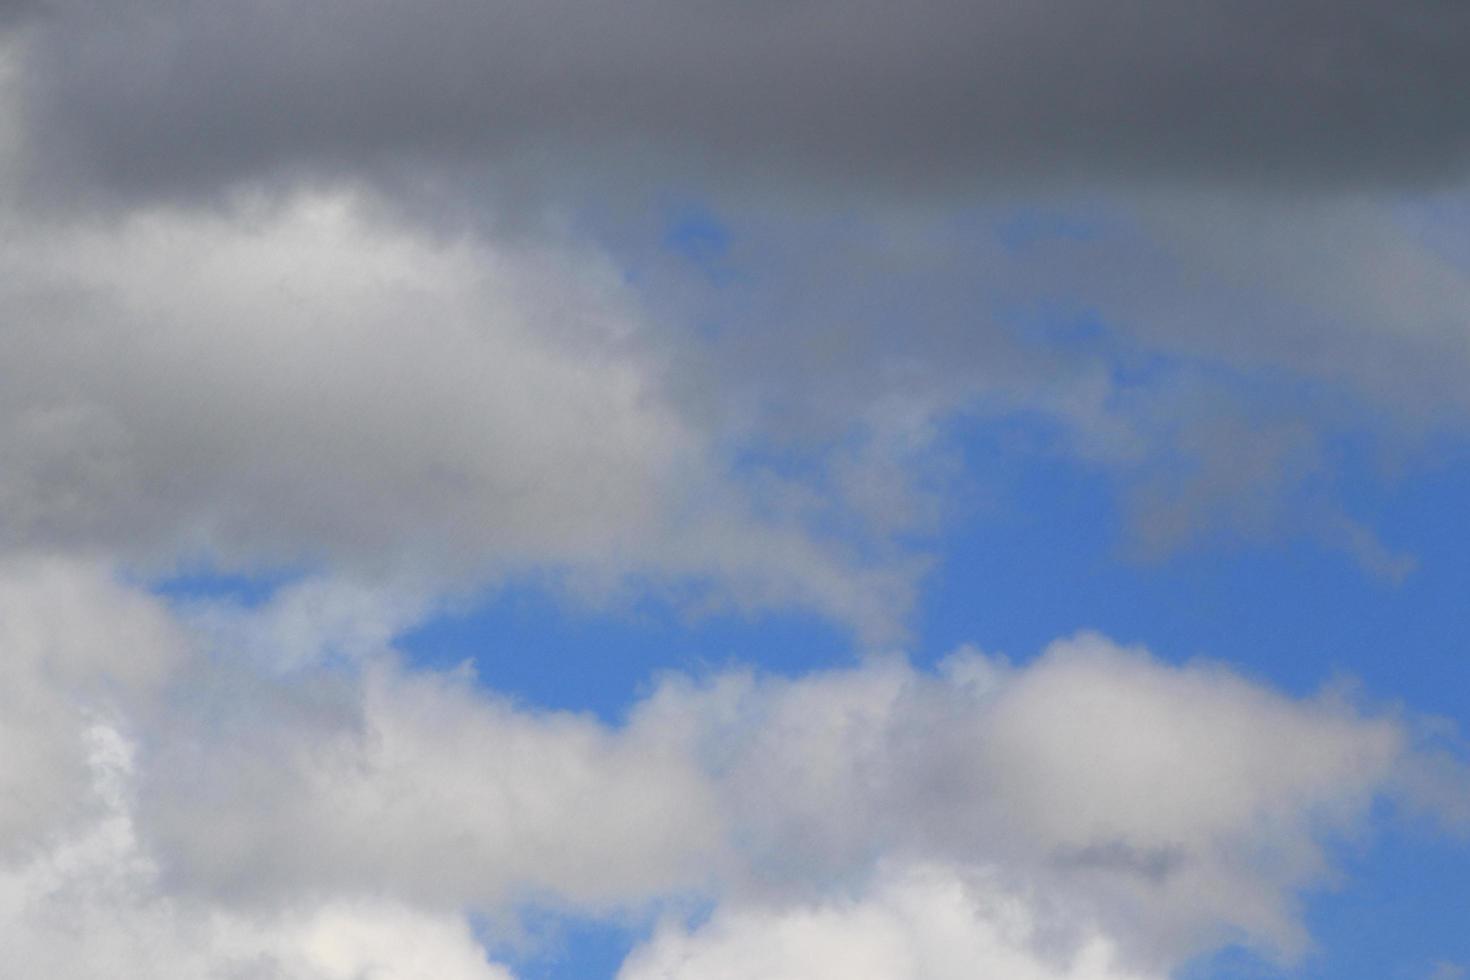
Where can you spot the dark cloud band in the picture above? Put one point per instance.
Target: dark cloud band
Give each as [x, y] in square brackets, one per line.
[934, 92]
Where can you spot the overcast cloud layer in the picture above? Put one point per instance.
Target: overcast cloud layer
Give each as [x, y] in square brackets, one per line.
[155, 95]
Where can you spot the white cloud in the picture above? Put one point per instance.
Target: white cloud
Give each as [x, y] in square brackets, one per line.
[424, 787]
[219, 808]
[915, 923]
[309, 621]
[1174, 808]
[1178, 805]
[93, 904]
[75, 651]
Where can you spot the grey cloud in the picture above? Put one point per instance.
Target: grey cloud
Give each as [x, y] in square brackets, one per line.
[872, 332]
[1154, 864]
[307, 382]
[1360, 293]
[14, 12]
[1204, 350]
[376, 395]
[171, 93]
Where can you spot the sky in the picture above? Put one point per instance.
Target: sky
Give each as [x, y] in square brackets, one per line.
[734, 491]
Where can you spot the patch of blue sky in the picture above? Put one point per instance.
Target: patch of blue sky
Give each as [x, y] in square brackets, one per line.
[1399, 910]
[1048, 554]
[534, 645]
[1232, 963]
[696, 234]
[200, 583]
[1397, 913]
[551, 946]
[1056, 326]
[1022, 229]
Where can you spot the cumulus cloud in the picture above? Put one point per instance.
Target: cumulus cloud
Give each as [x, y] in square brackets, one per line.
[1096, 812]
[305, 382]
[422, 787]
[1176, 805]
[78, 652]
[303, 379]
[92, 904]
[916, 923]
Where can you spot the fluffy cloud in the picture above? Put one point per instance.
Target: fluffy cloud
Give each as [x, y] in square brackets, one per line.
[421, 787]
[1094, 813]
[1177, 805]
[92, 904]
[78, 652]
[307, 382]
[86, 666]
[916, 923]
[304, 379]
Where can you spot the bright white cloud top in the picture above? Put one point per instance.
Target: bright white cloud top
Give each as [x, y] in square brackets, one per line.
[352, 318]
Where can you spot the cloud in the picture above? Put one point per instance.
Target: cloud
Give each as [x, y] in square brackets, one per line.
[420, 787]
[165, 95]
[915, 923]
[1361, 292]
[78, 653]
[349, 295]
[93, 904]
[1176, 805]
[1159, 160]
[1208, 353]
[303, 383]
[1095, 806]
[304, 379]
[554, 406]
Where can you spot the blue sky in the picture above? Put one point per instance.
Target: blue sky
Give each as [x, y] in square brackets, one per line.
[665, 491]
